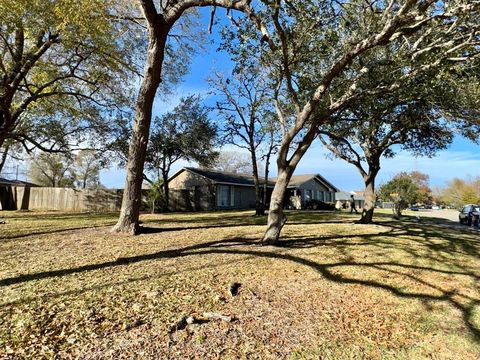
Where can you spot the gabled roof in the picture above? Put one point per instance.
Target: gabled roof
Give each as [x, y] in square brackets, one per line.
[221, 177]
[297, 180]
[4, 181]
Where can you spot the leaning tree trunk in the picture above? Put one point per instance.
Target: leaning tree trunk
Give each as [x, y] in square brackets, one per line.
[130, 211]
[370, 199]
[276, 217]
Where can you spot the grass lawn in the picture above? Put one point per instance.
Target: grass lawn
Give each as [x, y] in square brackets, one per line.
[334, 290]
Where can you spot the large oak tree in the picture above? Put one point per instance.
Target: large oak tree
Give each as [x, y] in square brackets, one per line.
[318, 62]
[160, 20]
[63, 69]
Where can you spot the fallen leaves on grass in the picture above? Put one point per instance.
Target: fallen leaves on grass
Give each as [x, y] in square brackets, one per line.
[335, 290]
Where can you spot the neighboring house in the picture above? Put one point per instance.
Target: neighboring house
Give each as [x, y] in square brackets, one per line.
[193, 189]
[13, 192]
[344, 197]
[303, 188]
[5, 182]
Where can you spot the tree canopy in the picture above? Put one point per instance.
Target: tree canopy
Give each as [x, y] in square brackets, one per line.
[81, 170]
[323, 52]
[64, 71]
[402, 190]
[421, 117]
[233, 162]
[459, 192]
[52, 170]
[185, 133]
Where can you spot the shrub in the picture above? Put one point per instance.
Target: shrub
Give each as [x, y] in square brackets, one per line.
[319, 205]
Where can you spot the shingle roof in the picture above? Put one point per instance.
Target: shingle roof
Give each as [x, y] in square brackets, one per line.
[297, 180]
[4, 181]
[221, 177]
[227, 178]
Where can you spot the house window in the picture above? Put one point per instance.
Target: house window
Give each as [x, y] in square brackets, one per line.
[308, 195]
[322, 196]
[223, 195]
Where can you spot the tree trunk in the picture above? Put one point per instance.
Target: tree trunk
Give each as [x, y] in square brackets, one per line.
[130, 211]
[276, 217]
[166, 192]
[370, 199]
[397, 210]
[259, 210]
[3, 159]
[267, 165]
[265, 183]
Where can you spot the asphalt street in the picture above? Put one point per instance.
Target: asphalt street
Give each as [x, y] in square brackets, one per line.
[446, 217]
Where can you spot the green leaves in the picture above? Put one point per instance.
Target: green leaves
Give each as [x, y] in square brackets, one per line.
[406, 189]
[63, 60]
[184, 133]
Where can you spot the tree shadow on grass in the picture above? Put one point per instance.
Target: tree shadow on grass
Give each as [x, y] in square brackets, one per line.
[51, 231]
[432, 243]
[218, 225]
[152, 226]
[27, 215]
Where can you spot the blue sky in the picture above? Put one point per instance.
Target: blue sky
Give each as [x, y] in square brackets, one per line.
[462, 159]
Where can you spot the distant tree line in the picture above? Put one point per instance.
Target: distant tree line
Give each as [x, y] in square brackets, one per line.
[81, 170]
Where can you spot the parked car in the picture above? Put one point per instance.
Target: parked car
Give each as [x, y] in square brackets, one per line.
[469, 214]
[414, 208]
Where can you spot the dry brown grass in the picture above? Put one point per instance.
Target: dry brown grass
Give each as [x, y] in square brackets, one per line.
[335, 290]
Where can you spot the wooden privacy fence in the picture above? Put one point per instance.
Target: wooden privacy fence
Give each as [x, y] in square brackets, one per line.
[98, 200]
[61, 199]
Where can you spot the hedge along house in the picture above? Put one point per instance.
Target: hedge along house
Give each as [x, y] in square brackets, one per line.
[304, 188]
[193, 189]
